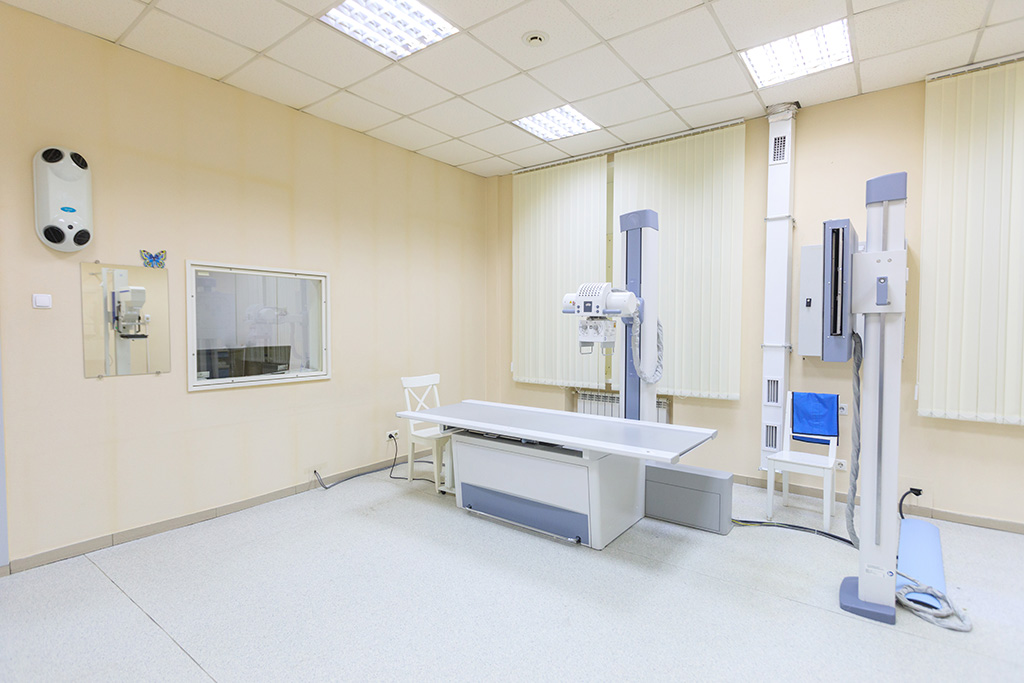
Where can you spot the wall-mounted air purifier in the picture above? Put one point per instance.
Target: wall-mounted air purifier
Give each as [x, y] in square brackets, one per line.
[63, 187]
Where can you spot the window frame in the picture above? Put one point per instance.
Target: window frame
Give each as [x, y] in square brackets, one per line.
[195, 384]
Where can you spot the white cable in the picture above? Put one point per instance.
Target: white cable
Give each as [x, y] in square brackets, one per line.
[851, 496]
[656, 375]
[943, 616]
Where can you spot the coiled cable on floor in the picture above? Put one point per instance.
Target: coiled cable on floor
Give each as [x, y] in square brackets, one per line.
[943, 616]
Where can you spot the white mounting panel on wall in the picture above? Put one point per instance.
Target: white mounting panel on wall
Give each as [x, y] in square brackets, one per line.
[808, 341]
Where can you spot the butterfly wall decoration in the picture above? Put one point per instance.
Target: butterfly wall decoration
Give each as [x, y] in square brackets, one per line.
[153, 260]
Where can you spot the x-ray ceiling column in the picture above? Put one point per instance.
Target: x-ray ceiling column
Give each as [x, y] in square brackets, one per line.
[778, 263]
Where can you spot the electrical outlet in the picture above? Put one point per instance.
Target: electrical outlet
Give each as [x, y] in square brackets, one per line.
[841, 465]
[392, 434]
[844, 409]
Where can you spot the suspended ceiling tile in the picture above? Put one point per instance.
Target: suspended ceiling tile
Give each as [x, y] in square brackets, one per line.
[257, 24]
[646, 129]
[352, 111]
[612, 18]
[399, 89]
[721, 78]
[625, 104]
[684, 40]
[104, 18]
[327, 54]
[538, 154]
[408, 134]
[467, 13]
[750, 23]
[742, 107]
[1000, 41]
[914, 64]
[911, 23]
[456, 117]
[1005, 10]
[566, 33]
[490, 167]
[865, 5]
[314, 8]
[279, 83]
[454, 152]
[585, 143]
[585, 74]
[172, 40]
[515, 98]
[460, 64]
[824, 86]
[502, 139]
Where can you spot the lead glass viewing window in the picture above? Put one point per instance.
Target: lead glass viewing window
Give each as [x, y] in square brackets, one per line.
[255, 326]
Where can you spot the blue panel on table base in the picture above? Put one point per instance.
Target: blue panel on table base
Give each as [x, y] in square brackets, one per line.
[849, 601]
[529, 513]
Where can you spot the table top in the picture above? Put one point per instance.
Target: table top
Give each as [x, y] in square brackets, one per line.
[597, 433]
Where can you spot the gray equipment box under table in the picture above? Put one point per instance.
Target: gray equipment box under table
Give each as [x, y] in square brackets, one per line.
[691, 496]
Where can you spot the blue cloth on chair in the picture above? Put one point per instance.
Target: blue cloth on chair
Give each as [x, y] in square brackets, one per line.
[816, 414]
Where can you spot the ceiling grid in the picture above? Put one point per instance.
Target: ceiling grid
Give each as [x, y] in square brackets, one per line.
[640, 71]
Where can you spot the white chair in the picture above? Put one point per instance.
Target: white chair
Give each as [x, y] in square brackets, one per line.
[422, 391]
[812, 418]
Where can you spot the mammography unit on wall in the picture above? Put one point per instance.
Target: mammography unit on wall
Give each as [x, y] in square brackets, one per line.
[125, 320]
[63, 197]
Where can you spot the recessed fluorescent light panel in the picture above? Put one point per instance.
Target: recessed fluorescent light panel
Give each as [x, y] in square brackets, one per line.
[805, 53]
[396, 28]
[557, 123]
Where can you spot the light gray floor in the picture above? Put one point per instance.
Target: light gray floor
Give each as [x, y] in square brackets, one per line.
[383, 580]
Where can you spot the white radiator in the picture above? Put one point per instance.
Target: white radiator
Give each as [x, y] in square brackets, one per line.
[605, 403]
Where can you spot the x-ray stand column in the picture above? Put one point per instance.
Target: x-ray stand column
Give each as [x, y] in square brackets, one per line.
[122, 346]
[879, 293]
[639, 399]
[596, 305]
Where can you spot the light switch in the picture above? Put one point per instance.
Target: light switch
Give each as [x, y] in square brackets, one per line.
[42, 301]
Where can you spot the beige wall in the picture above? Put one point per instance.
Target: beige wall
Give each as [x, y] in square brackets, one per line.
[419, 256]
[965, 468]
[206, 171]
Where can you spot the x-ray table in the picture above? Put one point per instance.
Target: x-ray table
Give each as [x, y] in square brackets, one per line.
[574, 476]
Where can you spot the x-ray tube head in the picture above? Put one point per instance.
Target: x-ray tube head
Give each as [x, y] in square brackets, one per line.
[594, 302]
[129, 321]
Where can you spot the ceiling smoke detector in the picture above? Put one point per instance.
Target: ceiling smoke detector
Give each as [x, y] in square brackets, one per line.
[535, 38]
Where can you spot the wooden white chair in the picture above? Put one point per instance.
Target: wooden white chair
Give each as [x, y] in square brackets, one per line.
[812, 418]
[421, 394]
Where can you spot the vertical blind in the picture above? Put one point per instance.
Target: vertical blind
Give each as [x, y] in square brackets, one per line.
[559, 219]
[696, 186]
[971, 348]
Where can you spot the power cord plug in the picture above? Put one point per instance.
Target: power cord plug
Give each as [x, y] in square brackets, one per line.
[394, 462]
[913, 490]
